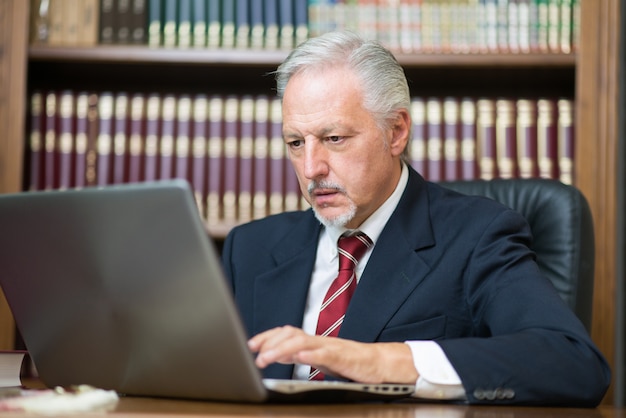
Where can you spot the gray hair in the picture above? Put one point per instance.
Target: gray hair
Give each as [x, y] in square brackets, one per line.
[384, 84]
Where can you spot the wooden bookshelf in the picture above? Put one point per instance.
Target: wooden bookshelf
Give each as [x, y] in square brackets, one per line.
[590, 76]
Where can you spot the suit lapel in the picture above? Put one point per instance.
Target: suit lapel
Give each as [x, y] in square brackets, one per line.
[280, 293]
[395, 267]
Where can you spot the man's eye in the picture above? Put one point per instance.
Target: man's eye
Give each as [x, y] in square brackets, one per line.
[334, 138]
[295, 144]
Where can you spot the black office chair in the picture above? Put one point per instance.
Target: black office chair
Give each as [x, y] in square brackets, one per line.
[561, 223]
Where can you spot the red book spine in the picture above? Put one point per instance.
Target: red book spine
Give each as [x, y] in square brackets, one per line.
[120, 138]
[527, 138]
[231, 159]
[136, 137]
[105, 140]
[566, 140]
[469, 168]
[37, 133]
[246, 152]
[199, 150]
[51, 147]
[151, 150]
[547, 147]
[434, 125]
[418, 142]
[277, 158]
[215, 155]
[183, 135]
[81, 138]
[66, 139]
[451, 153]
[486, 136]
[166, 146]
[93, 129]
[506, 139]
[261, 168]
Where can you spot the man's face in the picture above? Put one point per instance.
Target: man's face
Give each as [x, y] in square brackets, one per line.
[346, 166]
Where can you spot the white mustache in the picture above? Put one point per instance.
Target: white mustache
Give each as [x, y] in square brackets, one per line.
[314, 185]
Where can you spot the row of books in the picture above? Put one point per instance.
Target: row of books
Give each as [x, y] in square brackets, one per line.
[460, 26]
[408, 26]
[230, 147]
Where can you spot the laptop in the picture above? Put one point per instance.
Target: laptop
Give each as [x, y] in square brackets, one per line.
[120, 287]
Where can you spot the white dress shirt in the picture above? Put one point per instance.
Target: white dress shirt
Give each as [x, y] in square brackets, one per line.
[438, 379]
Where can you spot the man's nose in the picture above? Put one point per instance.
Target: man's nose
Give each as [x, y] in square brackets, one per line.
[315, 161]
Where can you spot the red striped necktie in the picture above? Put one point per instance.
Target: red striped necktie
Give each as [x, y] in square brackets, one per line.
[350, 250]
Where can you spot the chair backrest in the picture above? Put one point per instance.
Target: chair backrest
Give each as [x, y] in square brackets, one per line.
[562, 228]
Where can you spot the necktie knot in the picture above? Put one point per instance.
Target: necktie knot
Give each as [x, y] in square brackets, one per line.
[351, 249]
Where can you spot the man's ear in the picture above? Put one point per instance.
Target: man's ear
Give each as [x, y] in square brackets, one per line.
[400, 132]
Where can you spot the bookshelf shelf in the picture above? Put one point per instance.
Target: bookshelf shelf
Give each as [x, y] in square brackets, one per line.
[238, 57]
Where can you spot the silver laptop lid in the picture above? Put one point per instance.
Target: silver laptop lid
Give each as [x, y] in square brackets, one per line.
[121, 288]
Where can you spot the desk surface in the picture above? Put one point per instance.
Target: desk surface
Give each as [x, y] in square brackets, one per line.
[133, 407]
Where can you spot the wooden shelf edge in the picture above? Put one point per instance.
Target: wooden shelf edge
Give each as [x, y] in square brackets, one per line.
[145, 54]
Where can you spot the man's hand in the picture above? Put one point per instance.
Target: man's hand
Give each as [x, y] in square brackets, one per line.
[361, 362]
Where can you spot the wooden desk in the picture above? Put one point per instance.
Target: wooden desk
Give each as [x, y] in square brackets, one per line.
[145, 407]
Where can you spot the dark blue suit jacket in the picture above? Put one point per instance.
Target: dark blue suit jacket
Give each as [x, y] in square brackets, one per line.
[447, 267]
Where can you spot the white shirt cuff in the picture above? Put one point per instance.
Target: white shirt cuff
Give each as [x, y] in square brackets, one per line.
[437, 378]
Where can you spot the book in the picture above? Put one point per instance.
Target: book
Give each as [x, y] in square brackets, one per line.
[506, 142]
[122, 20]
[300, 21]
[257, 25]
[55, 22]
[277, 158]
[566, 140]
[89, 11]
[451, 139]
[469, 169]
[270, 16]
[199, 150]
[184, 20]
[242, 24]
[228, 21]
[286, 24]
[81, 138]
[106, 110]
[231, 159]
[246, 154]
[260, 155]
[91, 151]
[51, 142]
[70, 15]
[120, 138]
[35, 140]
[151, 147]
[215, 161]
[136, 135]
[39, 21]
[434, 147]
[138, 22]
[166, 138]
[199, 24]
[526, 126]
[486, 139]
[214, 23]
[155, 30]
[107, 21]
[169, 22]
[66, 139]
[547, 148]
[418, 140]
[183, 137]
